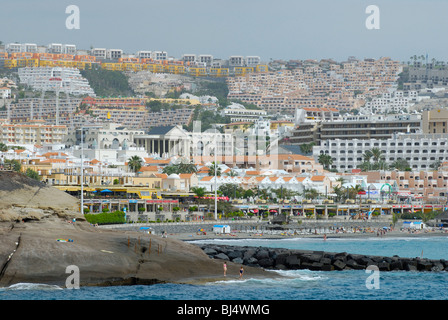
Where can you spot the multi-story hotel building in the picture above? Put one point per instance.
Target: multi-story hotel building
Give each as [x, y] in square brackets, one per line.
[421, 151]
[67, 80]
[34, 132]
[355, 127]
[435, 121]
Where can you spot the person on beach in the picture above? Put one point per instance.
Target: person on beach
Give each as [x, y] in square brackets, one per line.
[325, 236]
[225, 269]
[241, 272]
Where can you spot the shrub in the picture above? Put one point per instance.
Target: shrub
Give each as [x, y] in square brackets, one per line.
[106, 217]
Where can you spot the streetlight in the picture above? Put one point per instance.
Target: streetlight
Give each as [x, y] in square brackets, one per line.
[82, 172]
[216, 169]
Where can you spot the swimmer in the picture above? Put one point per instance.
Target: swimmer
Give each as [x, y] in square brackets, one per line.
[241, 272]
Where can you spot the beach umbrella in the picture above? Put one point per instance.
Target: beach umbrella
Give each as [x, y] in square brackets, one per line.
[105, 190]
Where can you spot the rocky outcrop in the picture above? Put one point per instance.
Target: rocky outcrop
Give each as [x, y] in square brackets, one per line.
[284, 259]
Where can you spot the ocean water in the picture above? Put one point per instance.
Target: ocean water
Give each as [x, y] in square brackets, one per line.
[284, 285]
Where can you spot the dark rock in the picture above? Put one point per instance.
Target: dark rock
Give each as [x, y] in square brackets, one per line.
[354, 265]
[396, 265]
[249, 253]
[266, 263]
[316, 266]
[339, 264]
[238, 260]
[280, 267]
[437, 266]
[424, 265]
[262, 254]
[235, 254]
[210, 251]
[327, 267]
[251, 260]
[292, 261]
[364, 261]
[341, 256]
[222, 256]
[281, 259]
[325, 261]
[384, 266]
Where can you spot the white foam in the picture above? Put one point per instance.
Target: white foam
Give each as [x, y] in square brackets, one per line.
[32, 286]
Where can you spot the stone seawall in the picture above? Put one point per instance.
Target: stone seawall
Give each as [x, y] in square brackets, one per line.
[285, 259]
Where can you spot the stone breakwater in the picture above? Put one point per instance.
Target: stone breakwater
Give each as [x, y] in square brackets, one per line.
[285, 259]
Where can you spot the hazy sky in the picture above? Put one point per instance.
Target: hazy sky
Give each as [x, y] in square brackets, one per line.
[277, 29]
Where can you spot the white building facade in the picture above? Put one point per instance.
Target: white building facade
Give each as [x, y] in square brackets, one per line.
[419, 150]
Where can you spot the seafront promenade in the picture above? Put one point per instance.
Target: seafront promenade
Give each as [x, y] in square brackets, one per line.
[257, 228]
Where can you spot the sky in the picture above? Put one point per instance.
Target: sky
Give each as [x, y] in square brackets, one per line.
[271, 29]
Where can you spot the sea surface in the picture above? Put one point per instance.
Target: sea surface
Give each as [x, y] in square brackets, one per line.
[285, 285]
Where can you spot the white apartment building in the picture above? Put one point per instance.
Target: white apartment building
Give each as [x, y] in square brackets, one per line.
[238, 113]
[189, 58]
[54, 48]
[5, 93]
[419, 150]
[159, 55]
[236, 61]
[206, 58]
[21, 47]
[114, 54]
[13, 47]
[142, 54]
[68, 80]
[252, 61]
[69, 49]
[99, 53]
[394, 102]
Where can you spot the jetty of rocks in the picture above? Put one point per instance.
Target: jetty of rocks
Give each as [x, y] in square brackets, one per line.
[285, 259]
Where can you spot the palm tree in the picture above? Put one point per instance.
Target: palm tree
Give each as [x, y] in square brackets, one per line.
[340, 192]
[307, 148]
[199, 191]
[213, 167]
[435, 165]
[186, 168]
[354, 190]
[341, 180]
[325, 160]
[3, 147]
[135, 163]
[367, 155]
[310, 194]
[376, 154]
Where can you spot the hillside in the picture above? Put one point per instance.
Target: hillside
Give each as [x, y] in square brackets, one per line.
[25, 198]
[107, 83]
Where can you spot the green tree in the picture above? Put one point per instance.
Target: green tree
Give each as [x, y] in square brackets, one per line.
[32, 174]
[16, 165]
[212, 168]
[3, 147]
[354, 190]
[376, 154]
[135, 163]
[310, 194]
[231, 190]
[199, 191]
[307, 148]
[400, 164]
[326, 160]
[340, 193]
